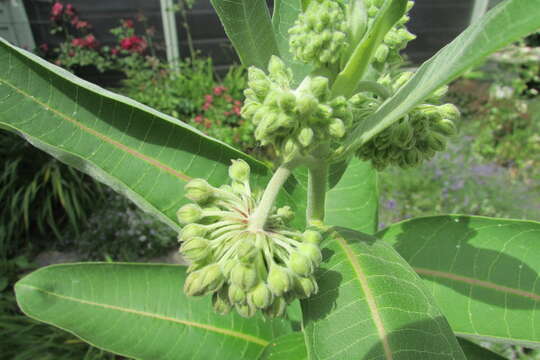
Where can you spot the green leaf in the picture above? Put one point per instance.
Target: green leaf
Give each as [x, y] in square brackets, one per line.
[371, 305]
[140, 311]
[476, 352]
[354, 201]
[284, 16]
[248, 26]
[144, 154]
[483, 272]
[287, 347]
[508, 22]
[356, 66]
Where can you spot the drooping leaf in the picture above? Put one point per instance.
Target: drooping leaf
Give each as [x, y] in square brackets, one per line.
[249, 27]
[483, 272]
[354, 201]
[288, 347]
[136, 150]
[508, 22]
[476, 352]
[140, 311]
[371, 305]
[284, 16]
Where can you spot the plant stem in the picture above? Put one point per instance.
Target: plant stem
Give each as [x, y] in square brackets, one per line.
[317, 182]
[262, 212]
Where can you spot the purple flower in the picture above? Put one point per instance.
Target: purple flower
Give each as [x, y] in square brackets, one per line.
[391, 204]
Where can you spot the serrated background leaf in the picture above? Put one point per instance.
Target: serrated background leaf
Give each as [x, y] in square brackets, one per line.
[483, 272]
[508, 22]
[248, 26]
[287, 347]
[140, 311]
[371, 305]
[146, 155]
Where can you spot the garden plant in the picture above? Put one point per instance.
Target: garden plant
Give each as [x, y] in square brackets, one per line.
[285, 260]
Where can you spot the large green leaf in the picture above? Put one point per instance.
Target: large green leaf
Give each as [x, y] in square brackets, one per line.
[371, 305]
[138, 151]
[476, 352]
[284, 16]
[507, 22]
[140, 311]
[288, 347]
[249, 27]
[354, 201]
[483, 272]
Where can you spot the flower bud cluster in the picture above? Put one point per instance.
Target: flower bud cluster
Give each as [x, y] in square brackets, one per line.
[244, 269]
[415, 137]
[294, 121]
[319, 35]
[396, 39]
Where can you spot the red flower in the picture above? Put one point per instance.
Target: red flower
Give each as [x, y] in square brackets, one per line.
[81, 24]
[237, 110]
[70, 11]
[133, 44]
[114, 51]
[90, 41]
[78, 42]
[238, 103]
[208, 98]
[198, 119]
[127, 23]
[206, 106]
[56, 10]
[219, 90]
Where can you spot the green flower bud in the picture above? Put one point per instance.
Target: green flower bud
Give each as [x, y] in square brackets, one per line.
[337, 128]
[245, 310]
[305, 138]
[402, 79]
[312, 252]
[189, 213]
[260, 88]
[195, 249]
[193, 285]
[300, 264]
[290, 149]
[319, 87]
[305, 287]
[227, 267]
[239, 171]
[402, 133]
[436, 141]
[256, 74]
[249, 110]
[198, 190]
[312, 237]
[236, 295]
[381, 54]
[244, 276]
[278, 71]
[211, 277]
[260, 297]
[192, 230]
[286, 101]
[246, 251]
[220, 302]
[276, 309]
[279, 280]
[285, 213]
[306, 104]
[413, 157]
[445, 127]
[449, 111]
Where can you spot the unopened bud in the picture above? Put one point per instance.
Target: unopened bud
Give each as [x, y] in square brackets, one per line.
[436, 141]
[193, 285]
[285, 213]
[300, 264]
[381, 53]
[220, 303]
[189, 213]
[244, 276]
[306, 104]
[245, 310]
[192, 230]
[211, 277]
[246, 251]
[305, 138]
[445, 127]
[319, 87]
[260, 296]
[337, 128]
[286, 101]
[276, 309]
[239, 170]
[279, 280]
[449, 111]
[256, 74]
[195, 249]
[306, 286]
[312, 237]
[236, 294]
[198, 190]
[312, 252]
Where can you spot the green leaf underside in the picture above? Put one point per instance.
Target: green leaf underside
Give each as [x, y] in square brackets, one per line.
[140, 311]
[248, 26]
[285, 14]
[287, 347]
[508, 22]
[138, 151]
[476, 352]
[354, 202]
[483, 272]
[371, 305]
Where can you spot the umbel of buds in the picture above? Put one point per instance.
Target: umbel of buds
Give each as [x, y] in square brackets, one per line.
[415, 137]
[294, 121]
[244, 269]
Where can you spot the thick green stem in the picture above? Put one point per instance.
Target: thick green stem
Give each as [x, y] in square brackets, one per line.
[317, 186]
[262, 212]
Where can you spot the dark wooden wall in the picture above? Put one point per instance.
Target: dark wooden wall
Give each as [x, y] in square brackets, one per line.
[435, 22]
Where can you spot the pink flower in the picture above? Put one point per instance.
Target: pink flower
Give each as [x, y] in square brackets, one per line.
[237, 110]
[198, 119]
[56, 10]
[81, 24]
[134, 44]
[58, 62]
[78, 42]
[90, 41]
[219, 90]
[206, 106]
[127, 23]
[208, 98]
[70, 11]
[114, 51]
[238, 103]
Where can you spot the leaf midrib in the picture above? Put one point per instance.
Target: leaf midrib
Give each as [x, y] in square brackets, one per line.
[372, 304]
[227, 332]
[101, 136]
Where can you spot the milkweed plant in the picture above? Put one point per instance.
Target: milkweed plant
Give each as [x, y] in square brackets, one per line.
[285, 260]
